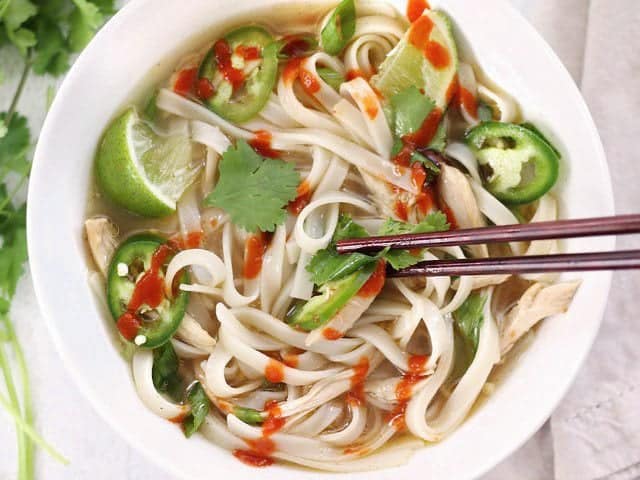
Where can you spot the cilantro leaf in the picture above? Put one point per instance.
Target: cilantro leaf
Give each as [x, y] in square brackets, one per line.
[398, 259]
[16, 14]
[347, 228]
[339, 28]
[52, 30]
[253, 190]
[52, 55]
[409, 109]
[434, 222]
[327, 264]
[83, 23]
[164, 373]
[468, 319]
[200, 405]
[14, 146]
[439, 141]
[13, 253]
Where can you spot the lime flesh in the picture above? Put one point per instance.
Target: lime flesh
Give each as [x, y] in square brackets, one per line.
[142, 171]
[406, 65]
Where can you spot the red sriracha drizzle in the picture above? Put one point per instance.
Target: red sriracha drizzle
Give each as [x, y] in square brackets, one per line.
[355, 396]
[433, 51]
[404, 390]
[375, 283]
[222, 52]
[415, 8]
[468, 102]
[204, 89]
[248, 52]
[185, 81]
[420, 138]
[354, 73]
[149, 290]
[274, 371]
[301, 200]
[254, 249]
[261, 449]
[261, 143]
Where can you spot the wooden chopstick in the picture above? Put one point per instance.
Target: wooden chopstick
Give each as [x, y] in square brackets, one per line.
[587, 227]
[568, 262]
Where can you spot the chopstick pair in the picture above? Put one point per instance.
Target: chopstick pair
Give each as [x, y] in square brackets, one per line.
[570, 262]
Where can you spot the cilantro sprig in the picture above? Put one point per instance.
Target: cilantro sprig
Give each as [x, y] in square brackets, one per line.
[468, 320]
[327, 264]
[253, 190]
[200, 405]
[47, 34]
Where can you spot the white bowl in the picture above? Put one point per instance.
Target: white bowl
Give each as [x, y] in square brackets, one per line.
[144, 40]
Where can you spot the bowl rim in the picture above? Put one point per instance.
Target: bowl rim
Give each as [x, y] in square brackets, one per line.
[38, 266]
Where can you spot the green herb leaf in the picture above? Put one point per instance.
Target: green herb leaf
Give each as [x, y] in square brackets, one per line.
[398, 259]
[339, 28]
[16, 14]
[13, 253]
[328, 265]
[347, 228]
[83, 23]
[409, 109]
[439, 141]
[164, 373]
[248, 415]
[331, 77]
[434, 222]
[200, 405]
[52, 55]
[253, 190]
[468, 319]
[14, 146]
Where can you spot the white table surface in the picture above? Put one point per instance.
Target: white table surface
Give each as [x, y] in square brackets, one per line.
[64, 417]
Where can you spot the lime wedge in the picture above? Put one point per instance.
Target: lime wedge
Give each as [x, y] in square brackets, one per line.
[406, 65]
[142, 171]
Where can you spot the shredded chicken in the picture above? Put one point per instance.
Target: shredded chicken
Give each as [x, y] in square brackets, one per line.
[482, 281]
[387, 198]
[192, 333]
[102, 238]
[539, 301]
[457, 194]
[383, 389]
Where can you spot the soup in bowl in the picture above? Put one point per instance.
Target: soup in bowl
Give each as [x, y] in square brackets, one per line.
[220, 187]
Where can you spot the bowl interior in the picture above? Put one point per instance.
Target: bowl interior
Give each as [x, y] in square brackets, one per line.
[139, 46]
